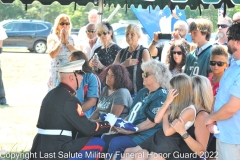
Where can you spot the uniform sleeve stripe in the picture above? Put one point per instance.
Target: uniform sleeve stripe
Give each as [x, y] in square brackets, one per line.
[97, 127]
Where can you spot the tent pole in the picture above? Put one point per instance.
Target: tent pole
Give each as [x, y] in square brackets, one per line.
[100, 9]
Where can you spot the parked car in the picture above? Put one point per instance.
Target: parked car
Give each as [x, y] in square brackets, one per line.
[74, 31]
[30, 34]
[119, 30]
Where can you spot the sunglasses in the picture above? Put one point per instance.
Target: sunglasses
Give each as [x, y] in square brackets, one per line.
[104, 33]
[146, 74]
[222, 25]
[176, 52]
[64, 23]
[79, 72]
[213, 63]
[90, 31]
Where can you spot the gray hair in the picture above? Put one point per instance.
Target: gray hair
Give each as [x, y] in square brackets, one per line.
[160, 70]
[134, 28]
[181, 22]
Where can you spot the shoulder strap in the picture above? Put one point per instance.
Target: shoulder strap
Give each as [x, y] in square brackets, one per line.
[192, 107]
[201, 111]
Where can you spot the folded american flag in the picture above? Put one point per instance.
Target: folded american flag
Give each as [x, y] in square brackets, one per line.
[120, 122]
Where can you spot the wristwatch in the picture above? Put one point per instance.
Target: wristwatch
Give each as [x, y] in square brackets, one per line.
[185, 135]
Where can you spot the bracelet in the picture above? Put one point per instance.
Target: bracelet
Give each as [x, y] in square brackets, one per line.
[60, 44]
[67, 44]
[153, 42]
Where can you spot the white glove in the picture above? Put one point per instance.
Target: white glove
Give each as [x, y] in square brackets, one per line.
[215, 129]
[111, 118]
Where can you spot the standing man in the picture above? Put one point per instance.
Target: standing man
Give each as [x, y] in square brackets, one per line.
[236, 17]
[3, 36]
[61, 116]
[160, 50]
[92, 18]
[227, 104]
[222, 27]
[92, 41]
[197, 62]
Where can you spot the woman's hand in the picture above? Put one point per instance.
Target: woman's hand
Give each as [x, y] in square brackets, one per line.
[123, 131]
[130, 62]
[96, 63]
[178, 125]
[171, 95]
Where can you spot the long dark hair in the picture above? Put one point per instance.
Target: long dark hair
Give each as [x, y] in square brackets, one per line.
[185, 48]
[121, 76]
[80, 55]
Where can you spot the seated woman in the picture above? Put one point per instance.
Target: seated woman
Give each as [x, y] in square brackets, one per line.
[133, 56]
[108, 51]
[178, 104]
[177, 55]
[90, 88]
[147, 102]
[195, 139]
[115, 97]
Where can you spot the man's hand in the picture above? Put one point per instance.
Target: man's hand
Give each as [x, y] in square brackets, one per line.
[210, 124]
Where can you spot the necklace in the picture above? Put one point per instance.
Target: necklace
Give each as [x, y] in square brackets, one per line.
[134, 50]
[110, 92]
[107, 47]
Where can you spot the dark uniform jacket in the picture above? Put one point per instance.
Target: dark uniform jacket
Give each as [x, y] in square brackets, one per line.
[61, 110]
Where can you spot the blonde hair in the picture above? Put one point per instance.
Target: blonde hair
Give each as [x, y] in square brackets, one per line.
[134, 28]
[183, 84]
[203, 25]
[56, 23]
[202, 92]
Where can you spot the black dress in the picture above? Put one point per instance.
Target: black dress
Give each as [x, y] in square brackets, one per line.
[107, 55]
[159, 143]
[186, 153]
[135, 72]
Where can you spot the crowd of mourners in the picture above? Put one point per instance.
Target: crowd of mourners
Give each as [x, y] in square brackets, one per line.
[170, 100]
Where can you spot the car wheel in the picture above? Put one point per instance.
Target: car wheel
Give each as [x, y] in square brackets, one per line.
[40, 47]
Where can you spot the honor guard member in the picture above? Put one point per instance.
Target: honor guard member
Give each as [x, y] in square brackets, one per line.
[61, 115]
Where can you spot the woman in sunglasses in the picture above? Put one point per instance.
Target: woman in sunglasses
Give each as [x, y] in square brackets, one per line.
[176, 57]
[59, 46]
[108, 51]
[132, 56]
[190, 135]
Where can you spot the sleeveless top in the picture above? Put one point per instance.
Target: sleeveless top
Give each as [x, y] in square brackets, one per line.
[135, 72]
[189, 123]
[184, 147]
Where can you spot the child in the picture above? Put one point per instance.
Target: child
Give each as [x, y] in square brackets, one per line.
[197, 61]
[178, 104]
[218, 63]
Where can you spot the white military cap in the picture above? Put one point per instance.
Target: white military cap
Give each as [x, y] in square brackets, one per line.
[71, 66]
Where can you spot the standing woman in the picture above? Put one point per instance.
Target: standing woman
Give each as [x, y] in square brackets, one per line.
[59, 46]
[177, 55]
[108, 51]
[133, 56]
